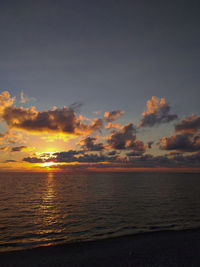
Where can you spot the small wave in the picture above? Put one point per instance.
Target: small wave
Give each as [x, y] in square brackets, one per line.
[31, 243]
[166, 227]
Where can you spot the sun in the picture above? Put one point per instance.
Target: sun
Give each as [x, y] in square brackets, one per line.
[48, 164]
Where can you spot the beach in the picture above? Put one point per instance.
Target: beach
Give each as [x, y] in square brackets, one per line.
[167, 248]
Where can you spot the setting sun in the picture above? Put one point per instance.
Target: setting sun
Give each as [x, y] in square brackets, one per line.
[48, 164]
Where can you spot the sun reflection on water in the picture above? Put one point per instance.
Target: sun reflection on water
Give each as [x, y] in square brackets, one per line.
[48, 209]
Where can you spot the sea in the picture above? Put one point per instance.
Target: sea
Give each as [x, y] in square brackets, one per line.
[41, 209]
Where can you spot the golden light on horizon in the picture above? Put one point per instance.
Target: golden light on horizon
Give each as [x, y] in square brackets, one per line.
[47, 164]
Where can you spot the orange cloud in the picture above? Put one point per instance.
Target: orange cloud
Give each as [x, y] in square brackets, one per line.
[112, 125]
[157, 112]
[181, 142]
[21, 148]
[189, 124]
[56, 120]
[5, 101]
[113, 115]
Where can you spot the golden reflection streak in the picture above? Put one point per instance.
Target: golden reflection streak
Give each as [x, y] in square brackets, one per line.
[47, 210]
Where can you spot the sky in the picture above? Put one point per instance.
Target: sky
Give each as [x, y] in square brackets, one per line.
[99, 84]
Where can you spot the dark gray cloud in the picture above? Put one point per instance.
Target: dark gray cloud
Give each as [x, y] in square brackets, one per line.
[189, 124]
[10, 161]
[130, 161]
[149, 144]
[34, 160]
[4, 148]
[92, 158]
[81, 157]
[89, 144]
[19, 148]
[125, 138]
[66, 156]
[175, 153]
[113, 115]
[56, 120]
[3, 135]
[157, 112]
[72, 156]
[181, 142]
[166, 161]
[134, 153]
[112, 153]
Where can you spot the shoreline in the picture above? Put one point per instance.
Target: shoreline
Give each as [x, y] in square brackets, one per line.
[160, 248]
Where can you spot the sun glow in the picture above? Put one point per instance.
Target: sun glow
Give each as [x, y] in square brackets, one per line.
[48, 164]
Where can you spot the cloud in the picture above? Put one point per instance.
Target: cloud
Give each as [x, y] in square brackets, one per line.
[4, 148]
[91, 158]
[181, 142]
[33, 160]
[10, 137]
[189, 161]
[157, 112]
[112, 126]
[132, 159]
[113, 115]
[3, 135]
[88, 144]
[70, 157]
[79, 156]
[57, 120]
[134, 153]
[112, 153]
[66, 156]
[20, 148]
[10, 161]
[189, 124]
[176, 161]
[5, 101]
[149, 144]
[24, 99]
[125, 139]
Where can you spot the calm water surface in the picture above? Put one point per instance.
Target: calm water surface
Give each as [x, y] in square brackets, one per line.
[49, 208]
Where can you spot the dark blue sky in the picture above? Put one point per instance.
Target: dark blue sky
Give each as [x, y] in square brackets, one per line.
[106, 54]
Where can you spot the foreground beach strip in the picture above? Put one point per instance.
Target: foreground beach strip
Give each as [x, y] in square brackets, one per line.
[167, 248]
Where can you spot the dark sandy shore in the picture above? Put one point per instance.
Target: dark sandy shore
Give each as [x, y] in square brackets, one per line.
[169, 248]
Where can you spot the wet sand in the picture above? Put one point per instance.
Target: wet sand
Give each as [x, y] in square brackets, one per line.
[169, 248]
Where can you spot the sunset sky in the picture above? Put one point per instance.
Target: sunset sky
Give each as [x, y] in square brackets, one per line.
[99, 84]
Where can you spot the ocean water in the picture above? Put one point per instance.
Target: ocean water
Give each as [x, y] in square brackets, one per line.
[50, 208]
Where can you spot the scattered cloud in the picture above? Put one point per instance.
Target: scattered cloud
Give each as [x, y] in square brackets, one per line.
[189, 124]
[132, 159]
[149, 144]
[125, 139]
[20, 148]
[10, 161]
[181, 142]
[56, 120]
[24, 99]
[89, 144]
[3, 135]
[68, 156]
[33, 160]
[112, 153]
[134, 153]
[5, 101]
[157, 112]
[120, 147]
[4, 148]
[112, 126]
[113, 115]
